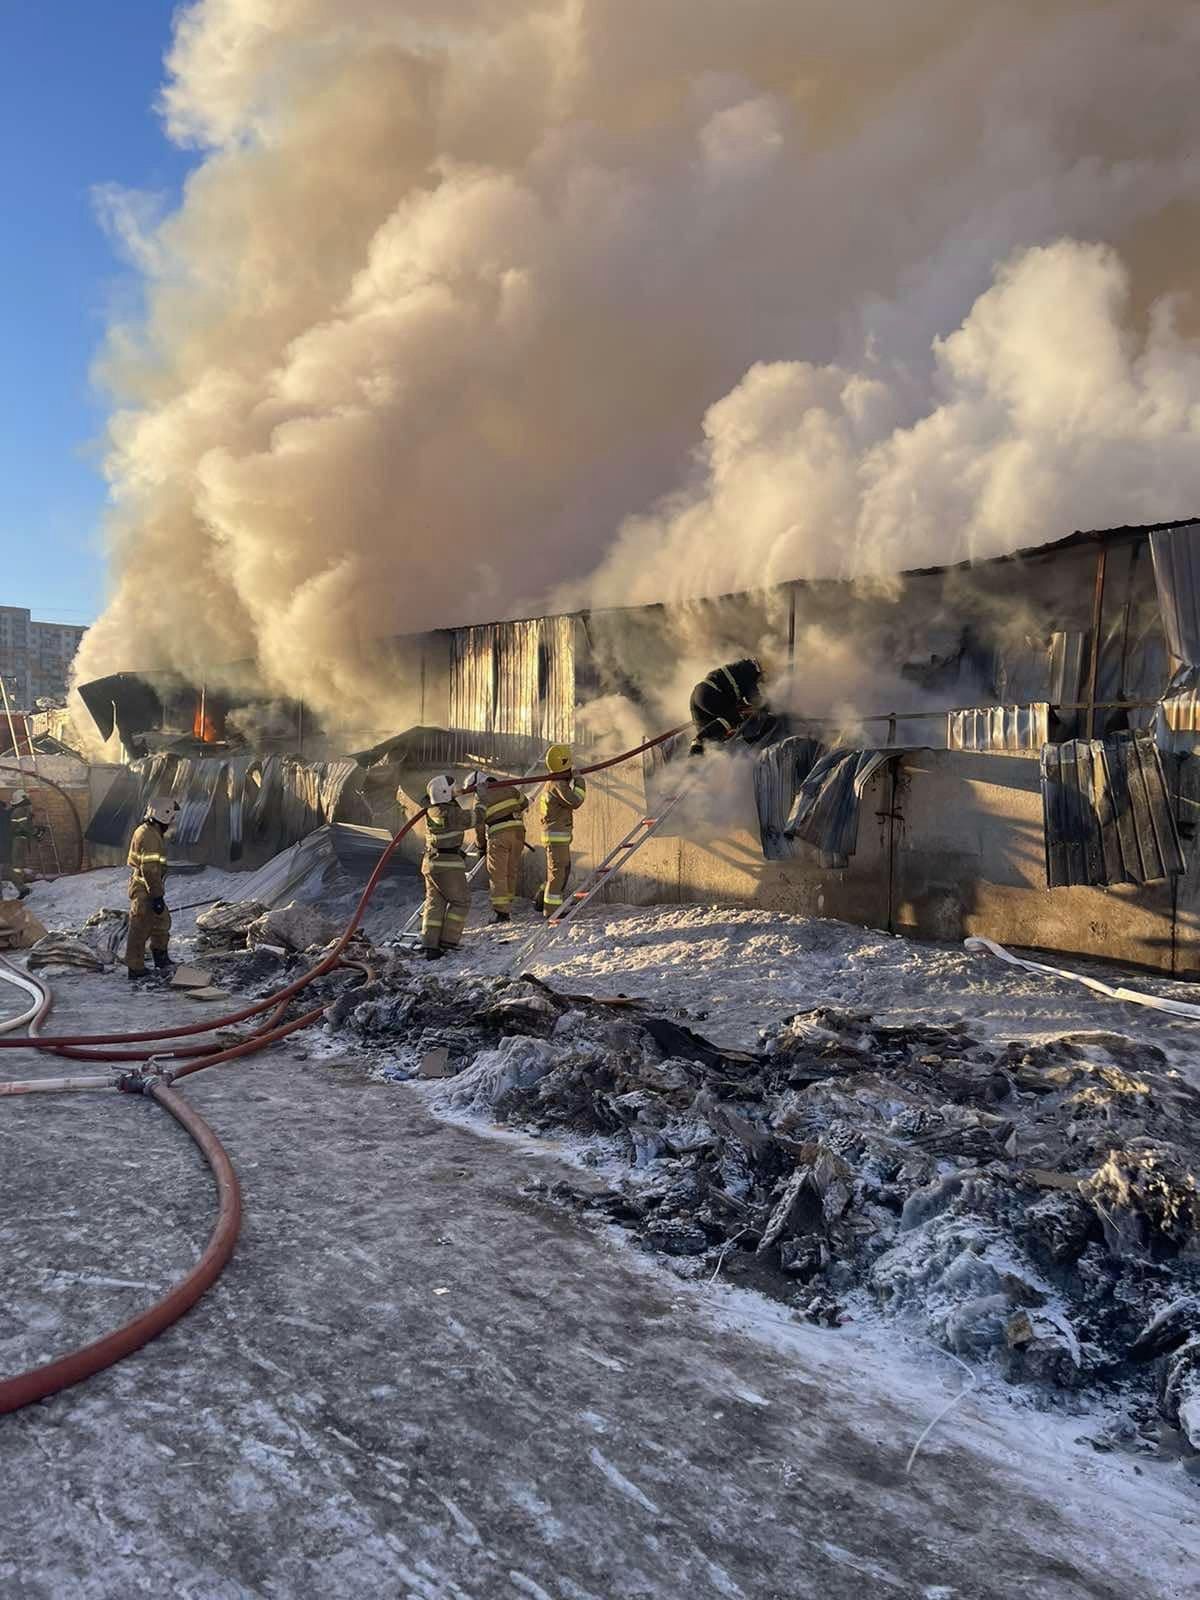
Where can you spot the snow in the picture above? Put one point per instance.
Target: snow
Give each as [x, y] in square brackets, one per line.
[865, 1391]
[731, 971]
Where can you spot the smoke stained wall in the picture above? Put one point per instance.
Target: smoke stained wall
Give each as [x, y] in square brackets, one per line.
[513, 305]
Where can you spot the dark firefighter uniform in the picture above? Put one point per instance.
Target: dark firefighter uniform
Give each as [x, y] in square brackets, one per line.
[147, 888]
[560, 800]
[447, 893]
[500, 834]
[17, 831]
[723, 701]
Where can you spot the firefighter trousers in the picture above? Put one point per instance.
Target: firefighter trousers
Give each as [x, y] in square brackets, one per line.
[145, 924]
[504, 851]
[447, 903]
[558, 871]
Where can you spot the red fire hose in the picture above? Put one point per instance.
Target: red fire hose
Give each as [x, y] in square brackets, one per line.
[48, 1379]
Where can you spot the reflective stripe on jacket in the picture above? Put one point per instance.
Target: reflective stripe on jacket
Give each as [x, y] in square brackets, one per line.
[501, 806]
[560, 800]
[147, 861]
[445, 830]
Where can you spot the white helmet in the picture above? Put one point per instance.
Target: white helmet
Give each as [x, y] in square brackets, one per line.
[18, 798]
[474, 782]
[440, 790]
[163, 811]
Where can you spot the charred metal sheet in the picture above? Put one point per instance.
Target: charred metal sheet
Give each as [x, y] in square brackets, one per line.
[195, 787]
[779, 770]
[124, 701]
[1176, 556]
[112, 821]
[124, 805]
[266, 809]
[999, 728]
[237, 774]
[1108, 816]
[825, 813]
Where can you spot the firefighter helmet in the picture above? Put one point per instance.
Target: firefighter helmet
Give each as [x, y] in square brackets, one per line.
[163, 811]
[440, 789]
[558, 758]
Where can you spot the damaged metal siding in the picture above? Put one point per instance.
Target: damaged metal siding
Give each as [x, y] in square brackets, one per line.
[999, 728]
[1108, 816]
[1176, 556]
[515, 678]
[779, 771]
[825, 813]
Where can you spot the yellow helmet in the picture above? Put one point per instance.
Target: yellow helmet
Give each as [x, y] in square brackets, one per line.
[558, 758]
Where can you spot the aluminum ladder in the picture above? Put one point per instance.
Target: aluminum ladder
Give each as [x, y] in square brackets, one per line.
[617, 859]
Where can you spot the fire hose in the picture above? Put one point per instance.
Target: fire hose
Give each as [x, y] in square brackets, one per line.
[39, 1382]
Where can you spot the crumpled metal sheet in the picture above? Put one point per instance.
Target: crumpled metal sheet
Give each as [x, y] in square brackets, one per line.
[300, 871]
[779, 770]
[1009, 728]
[1176, 556]
[825, 812]
[266, 808]
[1108, 817]
[124, 805]
[112, 820]
[237, 773]
[195, 787]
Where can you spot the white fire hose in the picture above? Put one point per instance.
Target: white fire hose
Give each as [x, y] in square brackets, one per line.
[1137, 997]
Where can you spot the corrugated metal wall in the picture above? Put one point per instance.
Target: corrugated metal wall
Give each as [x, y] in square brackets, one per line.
[515, 677]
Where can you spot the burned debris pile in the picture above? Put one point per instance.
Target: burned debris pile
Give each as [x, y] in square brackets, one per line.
[1034, 1206]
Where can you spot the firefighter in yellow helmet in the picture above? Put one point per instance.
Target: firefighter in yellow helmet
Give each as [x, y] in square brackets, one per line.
[500, 834]
[148, 914]
[561, 799]
[447, 893]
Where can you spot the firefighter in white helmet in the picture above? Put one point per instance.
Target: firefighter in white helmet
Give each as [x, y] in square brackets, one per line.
[500, 834]
[561, 799]
[148, 914]
[447, 893]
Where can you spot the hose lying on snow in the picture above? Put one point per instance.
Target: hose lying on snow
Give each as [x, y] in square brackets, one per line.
[328, 961]
[39, 1382]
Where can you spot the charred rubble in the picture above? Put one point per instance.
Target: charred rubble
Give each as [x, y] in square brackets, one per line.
[1033, 1206]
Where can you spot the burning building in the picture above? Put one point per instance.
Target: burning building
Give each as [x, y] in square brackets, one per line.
[1003, 747]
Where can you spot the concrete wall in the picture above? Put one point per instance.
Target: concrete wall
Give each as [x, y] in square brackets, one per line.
[950, 844]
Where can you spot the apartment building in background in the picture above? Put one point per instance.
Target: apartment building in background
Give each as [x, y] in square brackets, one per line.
[35, 656]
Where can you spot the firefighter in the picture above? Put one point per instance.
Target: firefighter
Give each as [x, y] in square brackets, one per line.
[447, 893]
[561, 799]
[500, 834]
[148, 914]
[724, 700]
[17, 827]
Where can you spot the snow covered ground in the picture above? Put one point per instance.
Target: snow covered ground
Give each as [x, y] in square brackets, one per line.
[730, 972]
[811, 1484]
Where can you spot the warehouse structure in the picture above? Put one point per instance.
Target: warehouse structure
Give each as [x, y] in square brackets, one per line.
[1011, 752]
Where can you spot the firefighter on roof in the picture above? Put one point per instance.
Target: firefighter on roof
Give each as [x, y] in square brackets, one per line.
[561, 799]
[500, 834]
[148, 914]
[724, 700]
[447, 893]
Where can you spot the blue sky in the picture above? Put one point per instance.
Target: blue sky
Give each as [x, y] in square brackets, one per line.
[78, 82]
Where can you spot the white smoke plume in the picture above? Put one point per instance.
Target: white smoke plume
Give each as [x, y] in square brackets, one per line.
[455, 289]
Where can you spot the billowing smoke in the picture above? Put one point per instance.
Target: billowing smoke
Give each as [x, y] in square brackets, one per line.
[472, 308]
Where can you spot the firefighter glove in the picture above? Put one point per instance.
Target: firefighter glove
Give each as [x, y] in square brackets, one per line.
[158, 905]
